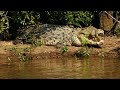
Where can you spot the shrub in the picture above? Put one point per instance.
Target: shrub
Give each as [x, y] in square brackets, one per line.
[79, 18]
[19, 19]
[4, 25]
[76, 18]
[83, 53]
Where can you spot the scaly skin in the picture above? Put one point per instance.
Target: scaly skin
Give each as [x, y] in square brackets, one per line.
[65, 36]
[89, 35]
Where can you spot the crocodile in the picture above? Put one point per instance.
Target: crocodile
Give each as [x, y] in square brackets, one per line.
[60, 35]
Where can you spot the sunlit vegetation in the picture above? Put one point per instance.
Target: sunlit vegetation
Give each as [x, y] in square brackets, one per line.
[22, 53]
[83, 52]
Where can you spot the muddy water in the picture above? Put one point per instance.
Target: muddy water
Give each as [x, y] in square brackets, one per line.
[72, 68]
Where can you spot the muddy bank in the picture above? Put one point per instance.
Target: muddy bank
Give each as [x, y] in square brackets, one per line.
[110, 49]
[93, 52]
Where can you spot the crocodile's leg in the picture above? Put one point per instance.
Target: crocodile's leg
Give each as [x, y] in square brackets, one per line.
[75, 41]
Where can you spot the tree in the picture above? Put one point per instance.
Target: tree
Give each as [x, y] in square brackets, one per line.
[106, 22]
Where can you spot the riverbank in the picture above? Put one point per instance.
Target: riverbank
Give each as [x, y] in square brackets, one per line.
[110, 49]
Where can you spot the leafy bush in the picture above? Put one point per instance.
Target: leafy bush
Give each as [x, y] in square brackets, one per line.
[24, 17]
[117, 32]
[4, 25]
[19, 19]
[53, 17]
[83, 53]
[76, 18]
[79, 18]
[21, 53]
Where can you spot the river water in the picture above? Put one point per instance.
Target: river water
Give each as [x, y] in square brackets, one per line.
[65, 68]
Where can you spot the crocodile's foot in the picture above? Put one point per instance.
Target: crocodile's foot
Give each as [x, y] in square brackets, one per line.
[96, 44]
[59, 45]
[100, 43]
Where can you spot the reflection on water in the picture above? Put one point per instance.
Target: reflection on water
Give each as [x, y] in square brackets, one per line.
[93, 68]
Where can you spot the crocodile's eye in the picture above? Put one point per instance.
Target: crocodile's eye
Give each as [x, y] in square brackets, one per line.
[101, 34]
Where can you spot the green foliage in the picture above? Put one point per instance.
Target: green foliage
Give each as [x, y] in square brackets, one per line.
[36, 43]
[76, 18]
[25, 17]
[53, 17]
[4, 25]
[83, 52]
[64, 49]
[22, 53]
[117, 32]
[19, 19]
[79, 18]
[84, 42]
[29, 37]
[4, 22]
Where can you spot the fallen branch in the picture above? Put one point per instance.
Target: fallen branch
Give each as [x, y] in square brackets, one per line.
[112, 16]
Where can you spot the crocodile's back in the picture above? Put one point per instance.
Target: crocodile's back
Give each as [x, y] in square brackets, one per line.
[53, 35]
[50, 34]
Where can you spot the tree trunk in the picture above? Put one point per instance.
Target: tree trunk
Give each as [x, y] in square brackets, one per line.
[106, 22]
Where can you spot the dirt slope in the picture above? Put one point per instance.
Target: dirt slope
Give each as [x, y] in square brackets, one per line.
[111, 48]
